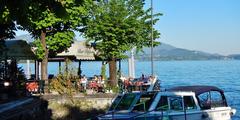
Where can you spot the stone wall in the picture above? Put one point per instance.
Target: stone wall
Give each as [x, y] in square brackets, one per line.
[56, 107]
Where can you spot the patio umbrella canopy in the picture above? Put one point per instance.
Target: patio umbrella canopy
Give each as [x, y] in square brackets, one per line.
[16, 49]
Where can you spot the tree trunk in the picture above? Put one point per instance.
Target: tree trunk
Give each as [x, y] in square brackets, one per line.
[113, 73]
[44, 65]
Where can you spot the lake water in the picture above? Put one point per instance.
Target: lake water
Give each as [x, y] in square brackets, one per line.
[223, 74]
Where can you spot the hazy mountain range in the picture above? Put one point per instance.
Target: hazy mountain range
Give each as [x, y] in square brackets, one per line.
[168, 52]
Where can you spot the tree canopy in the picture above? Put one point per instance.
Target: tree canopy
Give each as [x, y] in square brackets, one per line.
[7, 24]
[50, 22]
[58, 19]
[117, 26]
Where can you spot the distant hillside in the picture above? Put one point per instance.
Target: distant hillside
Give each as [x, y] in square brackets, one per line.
[168, 52]
[234, 56]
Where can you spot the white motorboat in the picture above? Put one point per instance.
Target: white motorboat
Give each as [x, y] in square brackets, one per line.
[178, 103]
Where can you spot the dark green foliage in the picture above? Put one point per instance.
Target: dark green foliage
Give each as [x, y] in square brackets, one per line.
[2, 47]
[6, 23]
[7, 30]
[21, 78]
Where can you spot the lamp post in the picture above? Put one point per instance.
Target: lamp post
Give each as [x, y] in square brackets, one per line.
[131, 65]
[152, 38]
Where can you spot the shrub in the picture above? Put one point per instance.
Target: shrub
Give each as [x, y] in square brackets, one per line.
[64, 83]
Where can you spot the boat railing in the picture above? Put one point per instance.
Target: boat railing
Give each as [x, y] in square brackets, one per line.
[161, 109]
[111, 112]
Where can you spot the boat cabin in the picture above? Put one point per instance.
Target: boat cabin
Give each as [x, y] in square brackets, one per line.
[178, 103]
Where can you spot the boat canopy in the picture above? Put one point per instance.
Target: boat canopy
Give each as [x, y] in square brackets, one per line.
[196, 89]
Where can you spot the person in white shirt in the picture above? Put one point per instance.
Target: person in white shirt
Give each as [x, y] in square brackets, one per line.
[84, 82]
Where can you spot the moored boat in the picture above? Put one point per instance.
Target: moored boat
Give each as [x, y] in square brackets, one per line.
[178, 103]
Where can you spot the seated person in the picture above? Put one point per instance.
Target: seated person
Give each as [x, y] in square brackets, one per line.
[84, 81]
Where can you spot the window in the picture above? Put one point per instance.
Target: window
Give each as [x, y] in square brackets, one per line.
[176, 103]
[211, 99]
[204, 100]
[162, 104]
[217, 99]
[115, 102]
[144, 102]
[126, 102]
[189, 103]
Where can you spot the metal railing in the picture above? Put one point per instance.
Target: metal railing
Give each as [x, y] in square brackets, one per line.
[161, 109]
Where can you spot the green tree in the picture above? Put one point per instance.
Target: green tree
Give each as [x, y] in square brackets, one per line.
[52, 23]
[6, 20]
[116, 26]
[11, 12]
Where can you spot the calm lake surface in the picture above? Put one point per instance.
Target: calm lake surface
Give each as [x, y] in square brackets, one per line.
[224, 74]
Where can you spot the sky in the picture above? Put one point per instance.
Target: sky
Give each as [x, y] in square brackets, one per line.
[206, 25]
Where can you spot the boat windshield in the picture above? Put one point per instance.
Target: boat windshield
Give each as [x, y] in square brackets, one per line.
[115, 102]
[144, 102]
[126, 102]
[162, 104]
